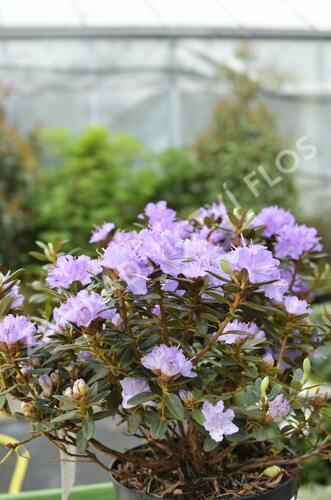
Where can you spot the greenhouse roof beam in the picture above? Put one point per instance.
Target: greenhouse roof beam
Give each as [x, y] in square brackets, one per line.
[163, 33]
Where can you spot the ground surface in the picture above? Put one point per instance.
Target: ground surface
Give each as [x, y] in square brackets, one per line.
[44, 467]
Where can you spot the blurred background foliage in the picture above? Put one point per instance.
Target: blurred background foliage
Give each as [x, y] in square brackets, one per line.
[98, 176]
[18, 169]
[91, 178]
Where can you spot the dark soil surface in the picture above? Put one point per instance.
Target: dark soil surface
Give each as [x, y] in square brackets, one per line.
[220, 481]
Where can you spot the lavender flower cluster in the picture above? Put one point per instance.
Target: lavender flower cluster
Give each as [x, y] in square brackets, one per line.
[179, 305]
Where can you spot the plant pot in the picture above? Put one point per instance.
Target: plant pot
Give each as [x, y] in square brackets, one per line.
[285, 491]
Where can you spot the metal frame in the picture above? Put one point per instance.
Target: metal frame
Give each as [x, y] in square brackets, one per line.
[161, 33]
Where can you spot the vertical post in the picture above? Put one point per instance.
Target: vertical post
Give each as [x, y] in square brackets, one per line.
[175, 136]
[93, 94]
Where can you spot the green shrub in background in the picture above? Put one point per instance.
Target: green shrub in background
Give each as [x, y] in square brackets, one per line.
[18, 166]
[102, 177]
[243, 135]
[180, 176]
[98, 176]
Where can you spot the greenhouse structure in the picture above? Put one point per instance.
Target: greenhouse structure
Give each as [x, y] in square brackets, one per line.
[152, 67]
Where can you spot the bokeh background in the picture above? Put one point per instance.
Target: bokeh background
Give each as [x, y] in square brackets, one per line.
[107, 105]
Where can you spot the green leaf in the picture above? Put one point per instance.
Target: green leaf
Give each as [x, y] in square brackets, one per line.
[238, 436]
[38, 256]
[272, 471]
[231, 218]
[88, 429]
[209, 444]
[174, 405]
[100, 415]
[5, 305]
[198, 416]
[143, 397]
[150, 342]
[158, 427]
[226, 267]
[65, 416]
[306, 368]
[134, 421]
[265, 432]
[81, 442]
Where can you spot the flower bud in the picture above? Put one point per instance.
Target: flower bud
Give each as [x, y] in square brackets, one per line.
[73, 371]
[46, 384]
[321, 396]
[25, 369]
[55, 377]
[83, 356]
[68, 392]
[81, 390]
[269, 360]
[35, 362]
[264, 386]
[28, 409]
[187, 397]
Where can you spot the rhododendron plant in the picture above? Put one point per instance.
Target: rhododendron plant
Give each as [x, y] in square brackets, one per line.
[197, 334]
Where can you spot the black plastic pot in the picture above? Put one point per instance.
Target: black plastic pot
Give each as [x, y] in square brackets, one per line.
[285, 491]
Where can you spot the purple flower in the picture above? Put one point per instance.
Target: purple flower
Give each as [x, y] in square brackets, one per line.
[268, 358]
[161, 218]
[293, 241]
[82, 309]
[261, 267]
[26, 369]
[170, 285]
[295, 306]
[13, 292]
[279, 407]
[157, 311]
[244, 331]
[200, 256]
[47, 329]
[159, 213]
[46, 384]
[168, 362]
[69, 269]
[214, 236]
[17, 297]
[101, 233]
[164, 249]
[124, 257]
[274, 219]
[17, 330]
[217, 421]
[294, 280]
[131, 386]
[84, 356]
[216, 210]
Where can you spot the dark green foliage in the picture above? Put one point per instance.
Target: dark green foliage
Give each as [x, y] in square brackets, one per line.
[180, 180]
[101, 179]
[242, 137]
[18, 166]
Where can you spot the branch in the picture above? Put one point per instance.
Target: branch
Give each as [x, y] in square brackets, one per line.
[127, 457]
[220, 330]
[254, 464]
[163, 315]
